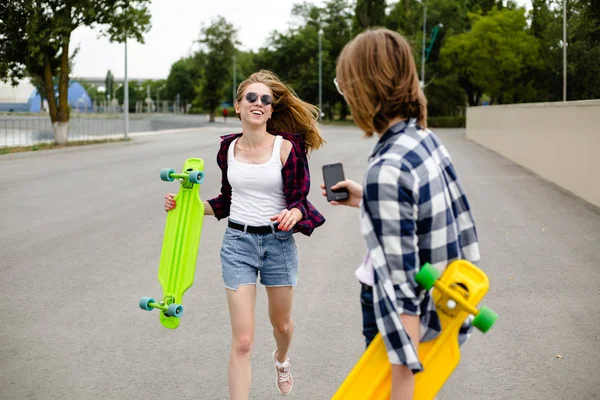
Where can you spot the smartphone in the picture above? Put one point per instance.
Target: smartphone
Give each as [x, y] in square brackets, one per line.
[332, 174]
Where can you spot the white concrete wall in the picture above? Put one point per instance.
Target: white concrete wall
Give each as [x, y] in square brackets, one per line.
[558, 141]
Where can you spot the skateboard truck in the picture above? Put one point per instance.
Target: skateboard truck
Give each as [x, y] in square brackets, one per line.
[168, 306]
[454, 298]
[189, 178]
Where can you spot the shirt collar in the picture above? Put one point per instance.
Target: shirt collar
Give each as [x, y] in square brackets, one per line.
[390, 134]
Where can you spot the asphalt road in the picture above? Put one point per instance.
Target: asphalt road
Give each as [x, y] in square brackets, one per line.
[80, 239]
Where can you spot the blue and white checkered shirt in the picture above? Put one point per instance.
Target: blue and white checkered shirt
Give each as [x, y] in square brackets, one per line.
[414, 211]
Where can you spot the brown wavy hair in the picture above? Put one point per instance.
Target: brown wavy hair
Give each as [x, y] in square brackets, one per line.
[290, 113]
[376, 72]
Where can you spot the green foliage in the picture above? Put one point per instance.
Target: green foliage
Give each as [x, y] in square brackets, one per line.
[36, 38]
[218, 41]
[494, 53]
[447, 122]
[584, 49]
[294, 55]
[182, 79]
[136, 93]
[486, 49]
[369, 13]
[109, 84]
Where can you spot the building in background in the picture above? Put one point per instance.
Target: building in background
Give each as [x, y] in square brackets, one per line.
[25, 98]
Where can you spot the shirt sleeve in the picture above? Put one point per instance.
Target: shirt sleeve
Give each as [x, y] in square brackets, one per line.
[296, 179]
[221, 204]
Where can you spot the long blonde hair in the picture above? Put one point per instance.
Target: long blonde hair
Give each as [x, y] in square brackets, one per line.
[376, 72]
[290, 114]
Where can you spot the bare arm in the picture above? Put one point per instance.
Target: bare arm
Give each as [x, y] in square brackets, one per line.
[170, 204]
[403, 379]
[207, 208]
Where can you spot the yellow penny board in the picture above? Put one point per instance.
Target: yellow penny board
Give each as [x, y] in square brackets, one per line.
[455, 294]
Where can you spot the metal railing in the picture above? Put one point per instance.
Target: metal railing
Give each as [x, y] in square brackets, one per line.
[27, 130]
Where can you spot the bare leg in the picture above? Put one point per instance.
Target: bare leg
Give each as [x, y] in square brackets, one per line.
[242, 314]
[280, 313]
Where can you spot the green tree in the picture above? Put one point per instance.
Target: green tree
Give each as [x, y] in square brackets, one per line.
[218, 41]
[369, 13]
[183, 77]
[494, 54]
[294, 54]
[136, 93]
[36, 41]
[245, 65]
[337, 31]
[545, 81]
[109, 85]
[483, 6]
[583, 51]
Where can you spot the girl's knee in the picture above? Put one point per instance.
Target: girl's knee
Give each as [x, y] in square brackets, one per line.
[285, 328]
[242, 345]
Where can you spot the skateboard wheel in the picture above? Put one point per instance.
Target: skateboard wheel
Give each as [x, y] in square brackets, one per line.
[165, 174]
[485, 319]
[196, 177]
[427, 276]
[145, 303]
[175, 310]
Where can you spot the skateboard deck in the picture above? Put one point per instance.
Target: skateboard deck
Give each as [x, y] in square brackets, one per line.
[455, 294]
[180, 243]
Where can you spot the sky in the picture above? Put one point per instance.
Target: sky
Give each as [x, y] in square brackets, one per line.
[176, 26]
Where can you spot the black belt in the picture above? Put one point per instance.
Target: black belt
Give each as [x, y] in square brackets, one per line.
[252, 229]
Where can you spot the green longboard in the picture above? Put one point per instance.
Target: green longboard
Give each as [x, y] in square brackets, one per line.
[180, 243]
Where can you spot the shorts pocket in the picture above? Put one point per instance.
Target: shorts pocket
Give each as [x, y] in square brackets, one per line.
[232, 234]
[284, 235]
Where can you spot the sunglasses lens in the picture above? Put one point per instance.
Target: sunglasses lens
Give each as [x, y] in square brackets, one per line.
[251, 97]
[266, 99]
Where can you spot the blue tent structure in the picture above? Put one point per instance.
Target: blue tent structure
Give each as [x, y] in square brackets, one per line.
[77, 97]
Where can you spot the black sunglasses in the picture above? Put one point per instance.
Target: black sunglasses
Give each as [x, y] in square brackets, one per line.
[265, 99]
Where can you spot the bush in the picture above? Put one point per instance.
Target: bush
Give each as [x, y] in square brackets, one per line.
[447, 122]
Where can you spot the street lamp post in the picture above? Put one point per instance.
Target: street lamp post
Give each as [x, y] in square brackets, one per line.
[423, 44]
[564, 50]
[126, 95]
[320, 74]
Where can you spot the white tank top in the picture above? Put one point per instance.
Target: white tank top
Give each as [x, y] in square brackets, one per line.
[256, 189]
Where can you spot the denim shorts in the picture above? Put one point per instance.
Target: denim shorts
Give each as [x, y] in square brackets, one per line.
[245, 255]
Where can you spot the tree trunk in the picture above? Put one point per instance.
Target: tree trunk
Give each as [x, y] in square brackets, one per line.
[60, 132]
[211, 116]
[62, 119]
[48, 80]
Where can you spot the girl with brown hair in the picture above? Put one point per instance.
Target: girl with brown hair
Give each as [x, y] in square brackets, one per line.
[413, 207]
[264, 188]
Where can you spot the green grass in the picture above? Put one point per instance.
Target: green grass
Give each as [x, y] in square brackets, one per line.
[49, 146]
